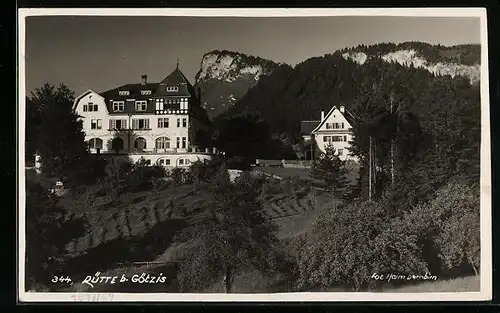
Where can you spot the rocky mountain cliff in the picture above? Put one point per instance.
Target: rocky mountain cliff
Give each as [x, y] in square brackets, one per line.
[419, 75]
[226, 76]
[461, 60]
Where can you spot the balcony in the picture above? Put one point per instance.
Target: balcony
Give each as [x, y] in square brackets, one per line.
[191, 150]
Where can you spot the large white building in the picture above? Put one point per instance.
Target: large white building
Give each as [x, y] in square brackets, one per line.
[160, 122]
[333, 129]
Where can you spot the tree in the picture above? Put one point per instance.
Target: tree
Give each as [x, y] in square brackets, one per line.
[231, 236]
[452, 220]
[33, 120]
[346, 247]
[47, 232]
[330, 169]
[118, 171]
[61, 141]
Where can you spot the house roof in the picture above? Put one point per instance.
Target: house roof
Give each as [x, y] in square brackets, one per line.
[176, 79]
[306, 127]
[348, 116]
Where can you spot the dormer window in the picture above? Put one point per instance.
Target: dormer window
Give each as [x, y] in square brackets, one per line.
[118, 106]
[141, 105]
[172, 89]
[145, 92]
[123, 93]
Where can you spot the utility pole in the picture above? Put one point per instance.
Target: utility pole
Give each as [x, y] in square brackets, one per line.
[392, 149]
[370, 172]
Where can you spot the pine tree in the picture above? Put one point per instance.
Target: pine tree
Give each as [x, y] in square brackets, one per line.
[331, 170]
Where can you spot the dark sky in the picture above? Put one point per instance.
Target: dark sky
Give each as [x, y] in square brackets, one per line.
[102, 52]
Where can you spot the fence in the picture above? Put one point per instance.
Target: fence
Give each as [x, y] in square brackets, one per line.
[284, 163]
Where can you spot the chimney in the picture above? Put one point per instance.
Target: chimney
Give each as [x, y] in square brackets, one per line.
[322, 115]
[144, 80]
[342, 109]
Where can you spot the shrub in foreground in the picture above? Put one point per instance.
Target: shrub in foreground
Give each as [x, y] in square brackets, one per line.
[347, 246]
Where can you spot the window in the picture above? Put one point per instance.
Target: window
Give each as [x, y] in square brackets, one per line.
[95, 124]
[184, 103]
[141, 105]
[334, 138]
[183, 142]
[328, 126]
[117, 144]
[123, 93]
[178, 122]
[118, 106]
[341, 151]
[184, 162]
[163, 143]
[159, 104]
[95, 143]
[178, 142]
[145, 92]
[172, 89]
[140, 123]
[163, 122]
[118, 124]
[184, 122]
[140, 144]
[90, 107]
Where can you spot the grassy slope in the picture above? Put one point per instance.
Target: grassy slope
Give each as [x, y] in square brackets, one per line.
[140, 227]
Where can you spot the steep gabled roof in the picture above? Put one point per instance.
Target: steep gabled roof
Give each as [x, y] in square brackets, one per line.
[77, 99]
[176, 78]
[348, 116]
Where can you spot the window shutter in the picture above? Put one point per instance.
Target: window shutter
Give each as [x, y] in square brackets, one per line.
[146, 123]
[134, 124]
[112, 124]
[124, 123]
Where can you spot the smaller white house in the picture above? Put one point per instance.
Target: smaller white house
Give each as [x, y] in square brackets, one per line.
[333, 129]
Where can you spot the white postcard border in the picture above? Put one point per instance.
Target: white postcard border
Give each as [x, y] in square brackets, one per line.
[486, 193]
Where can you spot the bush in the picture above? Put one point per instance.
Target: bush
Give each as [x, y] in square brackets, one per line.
[178, 175]
[451, 222]
[346, 247]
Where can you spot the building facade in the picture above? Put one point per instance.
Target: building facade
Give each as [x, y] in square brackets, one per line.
[333, 129]
[160, 122]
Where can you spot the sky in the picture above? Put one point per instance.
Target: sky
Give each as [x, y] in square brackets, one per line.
[104, 52]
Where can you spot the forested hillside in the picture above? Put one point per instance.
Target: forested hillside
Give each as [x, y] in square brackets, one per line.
[288, 95]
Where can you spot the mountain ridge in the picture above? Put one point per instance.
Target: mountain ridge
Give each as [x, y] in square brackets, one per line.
[290, 95]
[226, 76]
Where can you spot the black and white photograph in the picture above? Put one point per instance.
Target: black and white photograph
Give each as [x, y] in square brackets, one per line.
[254, 155]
